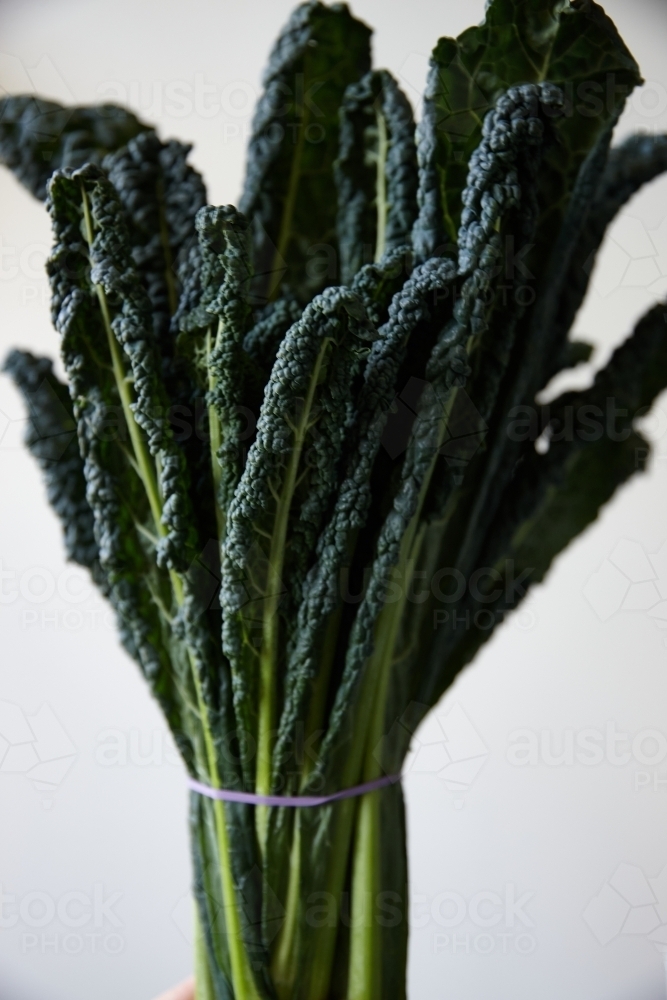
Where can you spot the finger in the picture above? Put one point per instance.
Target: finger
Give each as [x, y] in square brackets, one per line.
[184, 991]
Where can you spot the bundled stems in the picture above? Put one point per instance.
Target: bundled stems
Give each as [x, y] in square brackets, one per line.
[279, 421]
[241, 976]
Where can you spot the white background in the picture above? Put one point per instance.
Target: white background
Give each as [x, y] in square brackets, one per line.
[555, 832]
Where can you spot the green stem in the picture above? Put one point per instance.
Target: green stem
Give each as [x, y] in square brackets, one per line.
[381, 204]
[141, 454]
[284, 962]
[314, 729]
[314, 976]
[364, 969]
[321, 954]
[285, 233]
[365, 979]
[317, 975]
[270, 627]
[215, 439]
[284, 965]
[242, 978]
[203, 984]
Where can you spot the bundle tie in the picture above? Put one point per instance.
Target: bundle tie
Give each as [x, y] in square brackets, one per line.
[291, 801]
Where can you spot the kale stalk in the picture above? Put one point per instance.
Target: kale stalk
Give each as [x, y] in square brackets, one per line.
[351, 349]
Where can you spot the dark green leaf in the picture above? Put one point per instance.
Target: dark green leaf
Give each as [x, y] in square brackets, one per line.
[52, 440]
[92, 252]
[38, 137]
[212, 335]
[161, 194]
[576, 47]
[637, 161]
[293, 147]
[553, 496]
[291, 473]
[376, 172]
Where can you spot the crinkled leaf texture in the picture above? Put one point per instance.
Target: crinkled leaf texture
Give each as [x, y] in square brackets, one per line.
[288, 431]
[38, 137]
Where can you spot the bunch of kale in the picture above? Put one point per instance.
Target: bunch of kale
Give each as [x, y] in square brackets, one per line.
[290, 430]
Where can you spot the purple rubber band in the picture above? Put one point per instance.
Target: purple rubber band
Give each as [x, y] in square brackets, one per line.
[292, 801]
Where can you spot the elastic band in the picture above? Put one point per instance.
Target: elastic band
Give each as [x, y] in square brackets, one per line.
[291, 801]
